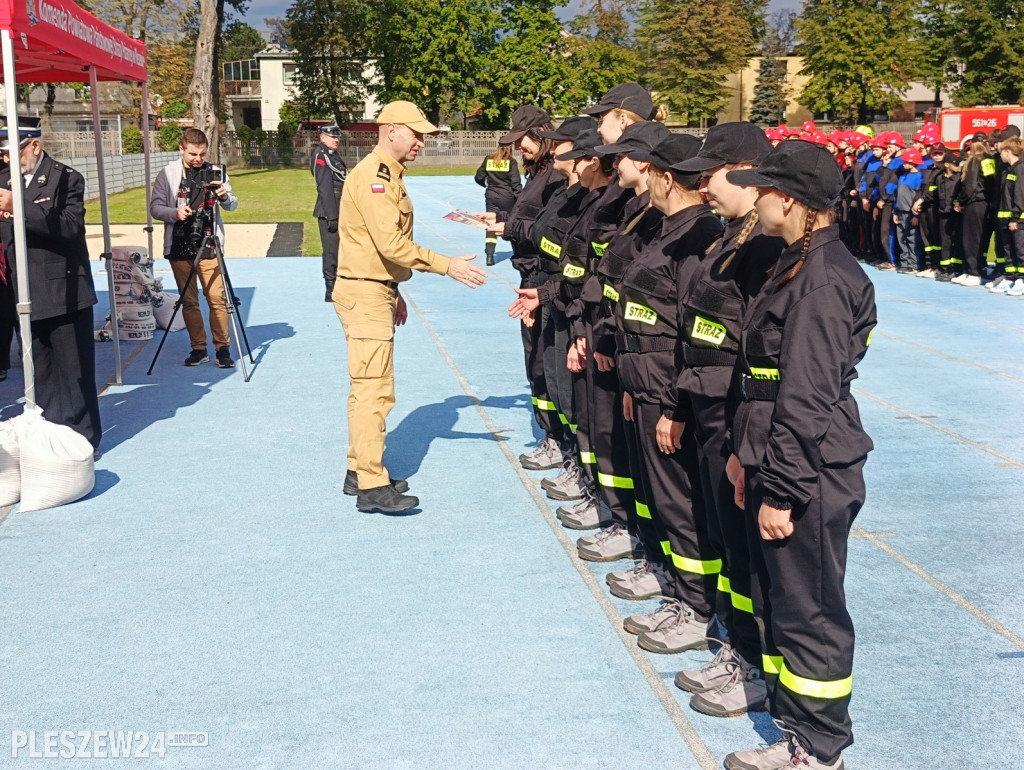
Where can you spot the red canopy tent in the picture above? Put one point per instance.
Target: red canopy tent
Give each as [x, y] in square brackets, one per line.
[47, 41]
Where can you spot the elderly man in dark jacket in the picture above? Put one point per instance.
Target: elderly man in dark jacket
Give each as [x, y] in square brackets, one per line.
[60, 283]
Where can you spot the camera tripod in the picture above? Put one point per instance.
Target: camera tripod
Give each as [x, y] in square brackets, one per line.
[210, 248]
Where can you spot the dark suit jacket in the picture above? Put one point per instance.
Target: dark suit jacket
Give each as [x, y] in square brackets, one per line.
[329, 171]
[60, 280]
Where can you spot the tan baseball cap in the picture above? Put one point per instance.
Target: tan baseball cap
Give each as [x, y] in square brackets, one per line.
[408, 114]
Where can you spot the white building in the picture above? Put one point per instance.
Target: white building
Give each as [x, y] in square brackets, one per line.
[256, 88]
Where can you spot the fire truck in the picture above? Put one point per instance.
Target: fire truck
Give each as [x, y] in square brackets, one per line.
[958, 124]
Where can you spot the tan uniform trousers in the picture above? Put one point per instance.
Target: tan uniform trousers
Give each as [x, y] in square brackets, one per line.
[366, 310]
[213, 289]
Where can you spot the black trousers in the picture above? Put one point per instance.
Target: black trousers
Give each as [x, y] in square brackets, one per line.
[931, 239]
[8, 323]
[556, 373]
[498, 206]
[329, 244]
[673, 491]
[64, 356]
[534, 344]
[975, 235]
[610, 442]
[728, 527]
[800, 600]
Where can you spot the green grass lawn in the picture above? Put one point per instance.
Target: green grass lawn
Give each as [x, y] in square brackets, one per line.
[265, 195]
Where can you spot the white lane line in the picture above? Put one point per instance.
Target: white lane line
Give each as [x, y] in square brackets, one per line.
[958, 599]
[951, 357]
[963, 439]
[951, 312]
[694, 742]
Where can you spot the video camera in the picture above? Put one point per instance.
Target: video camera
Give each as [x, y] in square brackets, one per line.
[210, 175]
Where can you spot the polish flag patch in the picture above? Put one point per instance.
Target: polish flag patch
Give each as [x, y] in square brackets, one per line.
[377, 188]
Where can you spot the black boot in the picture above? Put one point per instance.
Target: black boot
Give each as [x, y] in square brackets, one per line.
[329, 283]
[385, 499]
[489, 251]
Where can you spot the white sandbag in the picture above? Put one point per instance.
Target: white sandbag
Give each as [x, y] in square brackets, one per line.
[133, 331]
[135, 312]
[56, 464]
[10, 462]
[163, 309]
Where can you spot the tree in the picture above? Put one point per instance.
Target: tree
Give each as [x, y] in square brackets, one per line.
[986, 47]
[529, 64]
[170, 67]
[689, 49]
[331, 47]
[935, 34]
[431, 52]
[858, 54]
[770, 92]
[279, 31]
[601, 52]
[202, 88]
[239, 41]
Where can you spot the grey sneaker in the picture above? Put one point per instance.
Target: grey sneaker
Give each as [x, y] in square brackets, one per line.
[577, 507]
[546, 456]
[744, 691]
[677, 634]
[642, 583]
[712, 674]
[567, 486]
[802, 759]
[610, 544]
[638, 624]
[774, 757]
[595, 516]
[626, 575]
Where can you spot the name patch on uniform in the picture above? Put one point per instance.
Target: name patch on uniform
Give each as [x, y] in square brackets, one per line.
[383, 172]
[573, 271]
[598, 248]
[610, 293]
[550, 248]
[988, 167]
[708, 331]
[377, 188]
[762, 373]
[640, 313]
[498, 165]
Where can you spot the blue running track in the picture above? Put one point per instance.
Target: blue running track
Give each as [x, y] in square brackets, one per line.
[217, 580]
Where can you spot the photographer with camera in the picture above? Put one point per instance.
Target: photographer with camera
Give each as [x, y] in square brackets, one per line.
[187, 197]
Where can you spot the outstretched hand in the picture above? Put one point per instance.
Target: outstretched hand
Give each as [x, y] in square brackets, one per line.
[465, 273]
[525, 304]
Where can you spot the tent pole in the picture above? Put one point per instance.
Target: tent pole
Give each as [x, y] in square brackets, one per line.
[108, 257]
[20, 257]
[145, 157]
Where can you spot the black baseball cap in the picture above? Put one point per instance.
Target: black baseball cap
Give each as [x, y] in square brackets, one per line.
[582, 146]
[670, 152]
[799, 169]
[737, 142]
[643, 135]
[627, 96]
[570, 129]
[524, 118]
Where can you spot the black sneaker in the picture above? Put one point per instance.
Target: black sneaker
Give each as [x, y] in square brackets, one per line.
[351, 486]
[196, 357]
[224, 358]
[385, 499]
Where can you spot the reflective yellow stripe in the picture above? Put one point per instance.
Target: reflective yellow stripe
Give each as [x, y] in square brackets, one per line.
[489, 239]
[933, 187]
[867, 343]
[610, 293]
[599, 248]
[708, 331]
[764, 374]
[814, 688]
[498, 165]
[641, 313]
[742, 603]
[619, 482]
[696, 566]
[563, 419]
[1011, 177]
[588, 458]
[988, 167]
[724, 585]
[573, 271]
[546, 406]
[573, 427]
[933, 248]
[666, 547]
[771, 664]
[550, 248]
[1004, 214]
[642, 510]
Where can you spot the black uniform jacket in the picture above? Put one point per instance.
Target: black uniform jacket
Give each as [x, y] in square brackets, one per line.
[648, 306]
[59, 278]
[502, 182]
[807, 337]
[978, 181]
[1011, 195]
[542, 183]
[712, 312]
[563, 251]
[641, 223]
[329, 171]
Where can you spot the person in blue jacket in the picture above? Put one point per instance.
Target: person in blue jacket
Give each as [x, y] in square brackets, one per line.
[903, 214]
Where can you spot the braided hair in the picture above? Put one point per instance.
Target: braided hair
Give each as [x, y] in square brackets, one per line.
[749, 223]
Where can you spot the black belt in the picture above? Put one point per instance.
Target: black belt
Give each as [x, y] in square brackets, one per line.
[389, 284]
[707, 357]
[758, 390]
[637, 343]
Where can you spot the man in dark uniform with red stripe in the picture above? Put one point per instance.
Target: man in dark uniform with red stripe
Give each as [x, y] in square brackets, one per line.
[329, 172]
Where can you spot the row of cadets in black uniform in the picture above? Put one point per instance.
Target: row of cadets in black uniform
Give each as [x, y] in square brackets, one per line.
[329, 172]
[499, 176]
[715, 362]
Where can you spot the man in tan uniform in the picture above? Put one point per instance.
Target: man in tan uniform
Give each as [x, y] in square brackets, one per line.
[375, 254]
